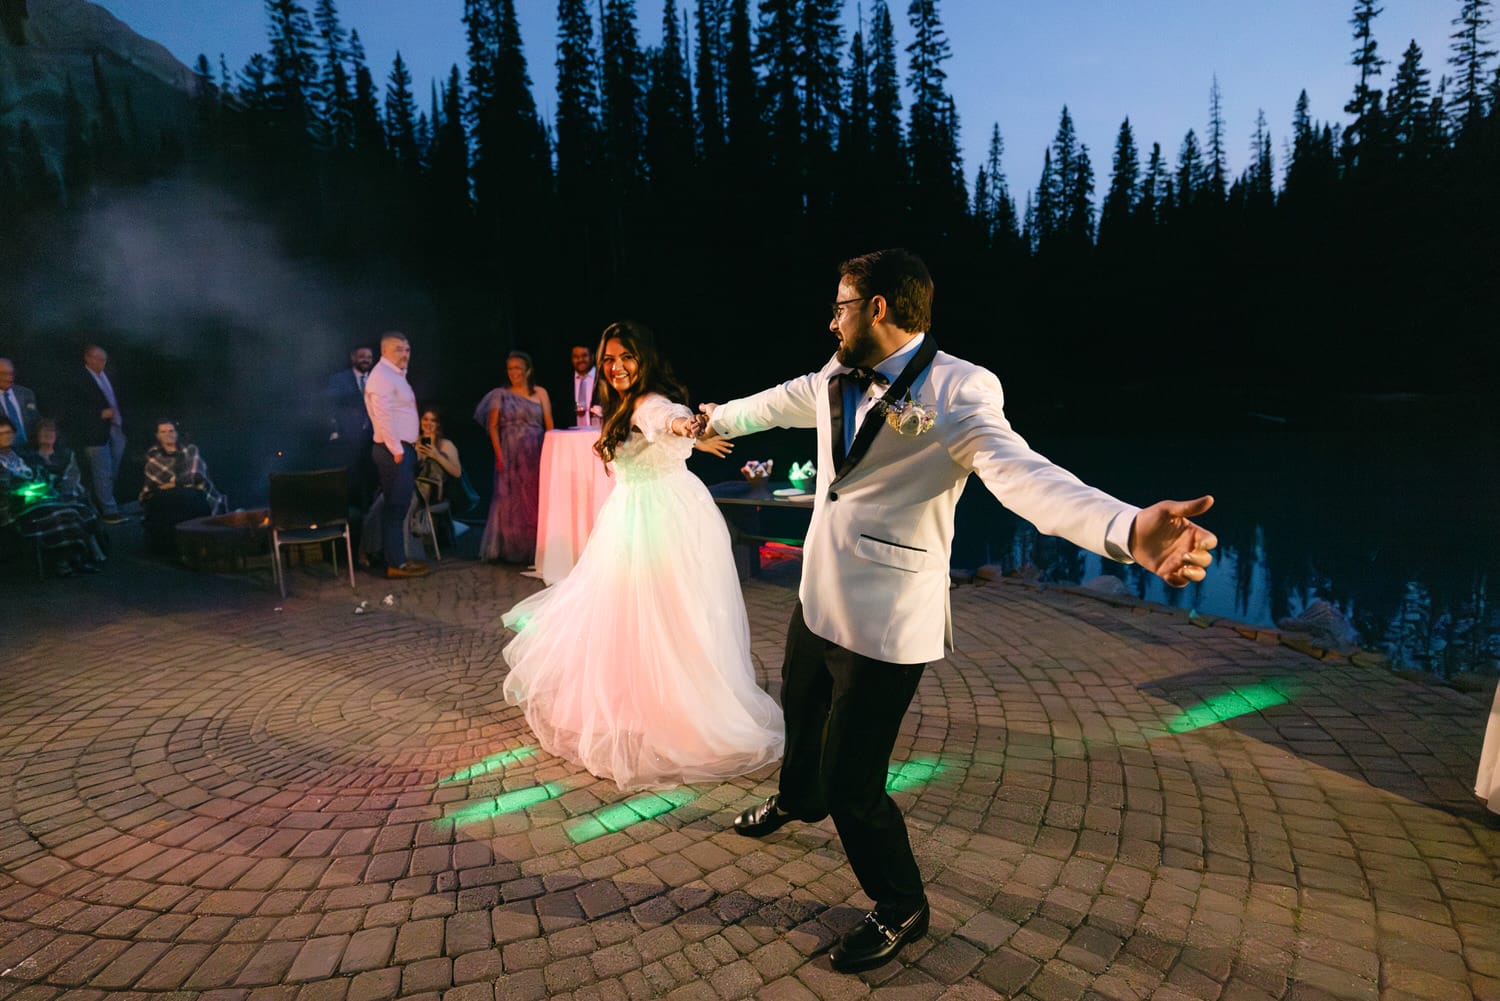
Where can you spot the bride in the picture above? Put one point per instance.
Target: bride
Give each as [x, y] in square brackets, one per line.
[637, 664]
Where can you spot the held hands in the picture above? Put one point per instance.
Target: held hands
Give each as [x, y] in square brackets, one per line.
[1166, 542]
[706, 417]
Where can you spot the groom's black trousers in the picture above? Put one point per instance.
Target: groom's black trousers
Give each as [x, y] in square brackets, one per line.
[843, 713]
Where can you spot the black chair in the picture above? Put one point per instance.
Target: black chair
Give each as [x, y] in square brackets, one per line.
[310, 508]
[430, 495]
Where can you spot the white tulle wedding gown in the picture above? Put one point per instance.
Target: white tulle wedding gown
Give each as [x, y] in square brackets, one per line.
[1487, 782]
[637, 664]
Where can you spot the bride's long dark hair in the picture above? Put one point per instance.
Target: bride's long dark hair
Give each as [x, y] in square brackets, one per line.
[653, 375]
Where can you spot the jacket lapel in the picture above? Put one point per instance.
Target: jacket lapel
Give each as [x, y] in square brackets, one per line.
[872, 424]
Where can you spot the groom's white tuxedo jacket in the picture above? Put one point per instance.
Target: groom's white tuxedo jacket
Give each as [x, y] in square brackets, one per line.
[875, 562]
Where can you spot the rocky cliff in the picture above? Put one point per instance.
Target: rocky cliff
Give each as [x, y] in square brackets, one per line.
[45, 44]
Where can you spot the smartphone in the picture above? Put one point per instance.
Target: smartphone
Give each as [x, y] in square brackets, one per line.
[425, 441]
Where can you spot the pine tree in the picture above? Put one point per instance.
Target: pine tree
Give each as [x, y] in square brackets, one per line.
[1363, 137]
[449, 157]
[1216, 170]
[669, 109]
[820, 49]
[854, 135]
[335, 112]
[1154, 196]
[577, 128]
[622, 92]
[886, 141]
[512, 162]
[741, 103]
[994, 209]
[1124, 186]
[1410, 107]
[776, 41]
[401, 115]
[712, 18]
[1260, 177]
[1470, 55]
[1190, 172]
[1078, 210]
[932, 136]
[293, 80]
[1046, 213]
[364, 111]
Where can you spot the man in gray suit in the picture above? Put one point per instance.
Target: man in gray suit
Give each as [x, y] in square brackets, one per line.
[19, 404]
[901, 425]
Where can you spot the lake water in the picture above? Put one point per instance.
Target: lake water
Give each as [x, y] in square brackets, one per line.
[1387, 510]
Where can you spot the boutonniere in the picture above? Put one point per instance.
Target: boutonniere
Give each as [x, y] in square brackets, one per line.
[907, 417]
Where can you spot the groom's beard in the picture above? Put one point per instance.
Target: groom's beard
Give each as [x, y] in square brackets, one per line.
[859, 350]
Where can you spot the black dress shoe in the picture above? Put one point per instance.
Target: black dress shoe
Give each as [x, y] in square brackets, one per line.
[87, 567]
[761, 819]
[877, 939]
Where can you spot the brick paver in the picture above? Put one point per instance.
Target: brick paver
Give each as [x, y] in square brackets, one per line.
[208, 792]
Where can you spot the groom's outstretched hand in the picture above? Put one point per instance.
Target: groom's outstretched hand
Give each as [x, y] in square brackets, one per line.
[1164, 540]
[707, 417]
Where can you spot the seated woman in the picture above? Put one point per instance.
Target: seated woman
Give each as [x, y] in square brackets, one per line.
[176, 488]
[61, 463]
[438, 472]
[33, 507]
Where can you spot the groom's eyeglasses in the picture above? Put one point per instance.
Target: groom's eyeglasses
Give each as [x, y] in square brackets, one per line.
[838, 307]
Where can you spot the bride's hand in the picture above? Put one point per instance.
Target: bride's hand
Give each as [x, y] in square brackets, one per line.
[714, 446]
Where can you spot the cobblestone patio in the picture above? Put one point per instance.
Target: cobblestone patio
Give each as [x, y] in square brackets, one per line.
[208, 792]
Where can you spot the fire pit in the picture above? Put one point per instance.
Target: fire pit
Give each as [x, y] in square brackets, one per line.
[225, 541]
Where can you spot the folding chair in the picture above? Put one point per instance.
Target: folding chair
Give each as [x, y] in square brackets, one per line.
[439, 506]
[308, 508]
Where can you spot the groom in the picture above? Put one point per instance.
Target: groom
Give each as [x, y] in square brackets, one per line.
[901, 425]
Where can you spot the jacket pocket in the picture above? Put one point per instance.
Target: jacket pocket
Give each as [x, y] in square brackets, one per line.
[891, 554]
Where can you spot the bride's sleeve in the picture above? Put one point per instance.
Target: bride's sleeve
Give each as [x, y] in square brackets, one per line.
[654, 416]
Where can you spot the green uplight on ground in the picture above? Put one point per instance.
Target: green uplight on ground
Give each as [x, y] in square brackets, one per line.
[913, 773]
[1228, 705]
[508, 802]
[493, 763]
[618, 816]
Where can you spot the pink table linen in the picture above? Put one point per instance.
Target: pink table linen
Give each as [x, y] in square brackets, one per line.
[573, 488]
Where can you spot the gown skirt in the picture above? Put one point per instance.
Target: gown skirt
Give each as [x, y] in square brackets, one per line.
[1487, 782]
[637, 664]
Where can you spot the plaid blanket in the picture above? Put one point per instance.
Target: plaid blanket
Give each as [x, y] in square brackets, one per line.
[182, 468]
[31, 504]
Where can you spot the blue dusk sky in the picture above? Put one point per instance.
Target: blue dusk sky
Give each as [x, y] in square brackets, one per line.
[1015, 63]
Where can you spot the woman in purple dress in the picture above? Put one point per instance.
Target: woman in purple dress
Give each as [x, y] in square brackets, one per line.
[516, 417]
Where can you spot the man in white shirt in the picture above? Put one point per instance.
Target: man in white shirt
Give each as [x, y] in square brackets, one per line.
[395, 424]
[585, 377]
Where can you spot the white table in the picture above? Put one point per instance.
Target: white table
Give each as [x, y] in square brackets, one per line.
[573, 487]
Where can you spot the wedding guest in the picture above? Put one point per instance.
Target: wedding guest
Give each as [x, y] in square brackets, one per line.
[36, 510]
[19, 404]
[516, 416]
[349, 433]
[900, 427]
[395, 427]
[437, 467]
[586, 408]
[95, 421]
[637, 664]
[176, 487]
[60, 462]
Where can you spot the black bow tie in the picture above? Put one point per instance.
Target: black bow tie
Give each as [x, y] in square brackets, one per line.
[862, 377]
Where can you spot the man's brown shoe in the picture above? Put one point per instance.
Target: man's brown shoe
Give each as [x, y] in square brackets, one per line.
[411, 568]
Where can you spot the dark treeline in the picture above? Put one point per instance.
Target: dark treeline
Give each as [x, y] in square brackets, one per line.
[708, 184]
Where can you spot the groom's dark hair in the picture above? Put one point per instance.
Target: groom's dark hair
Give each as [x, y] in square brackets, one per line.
[900, 277]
